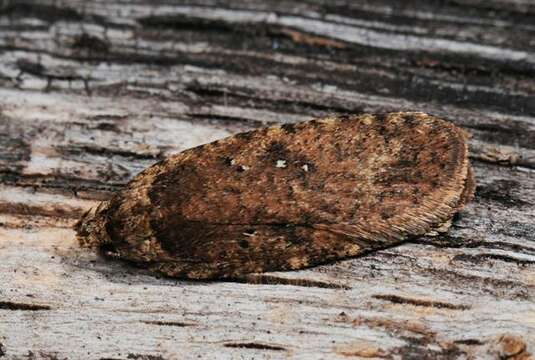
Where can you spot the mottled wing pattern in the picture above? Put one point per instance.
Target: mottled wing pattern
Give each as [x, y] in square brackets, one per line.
[288, 197]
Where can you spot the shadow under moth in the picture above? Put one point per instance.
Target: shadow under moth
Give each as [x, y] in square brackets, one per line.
[287, 197]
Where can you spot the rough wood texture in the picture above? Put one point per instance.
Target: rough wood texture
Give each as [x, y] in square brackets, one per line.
[165, 76]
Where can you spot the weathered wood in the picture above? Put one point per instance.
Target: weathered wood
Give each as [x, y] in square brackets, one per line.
[130, 82]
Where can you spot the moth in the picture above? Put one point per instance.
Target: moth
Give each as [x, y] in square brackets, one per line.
[287, 197]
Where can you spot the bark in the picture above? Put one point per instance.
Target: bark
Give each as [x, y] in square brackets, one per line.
[92, 92]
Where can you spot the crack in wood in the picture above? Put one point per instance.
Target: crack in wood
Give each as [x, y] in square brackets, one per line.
[235, 96]
[64, 212]
[169, 323]
[469, 342]
[456, 242]
[263, 279]
[395, 299]
[61, 74]
[229, 119]
[14, 306]
[502, 288]
[181, 22]
[106, 151]
[256, 346]
[59, 181]
[90, 43]
[144, 357]
[480, 258]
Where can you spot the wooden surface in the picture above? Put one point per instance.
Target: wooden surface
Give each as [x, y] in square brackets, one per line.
[92, 92]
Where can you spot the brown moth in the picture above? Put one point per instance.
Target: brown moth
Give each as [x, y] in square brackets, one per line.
[287, 197]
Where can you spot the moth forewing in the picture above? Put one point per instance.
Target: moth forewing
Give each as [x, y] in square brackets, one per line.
[288, 197]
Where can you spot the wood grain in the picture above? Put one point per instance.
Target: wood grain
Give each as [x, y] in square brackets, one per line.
[92, 92]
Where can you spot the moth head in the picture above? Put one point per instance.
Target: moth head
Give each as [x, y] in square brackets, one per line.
[90, 229]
